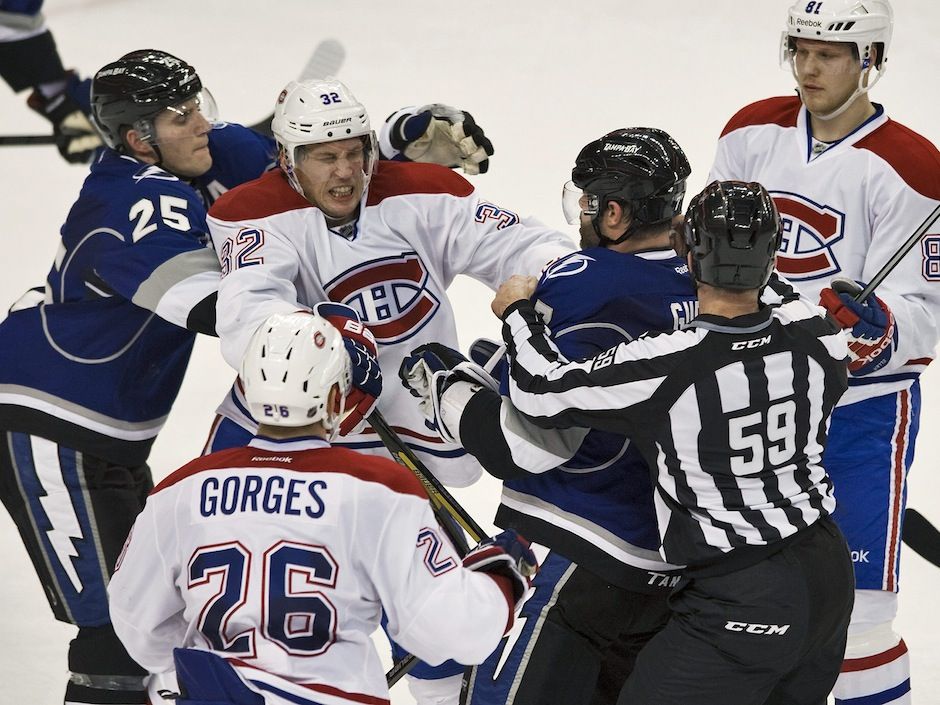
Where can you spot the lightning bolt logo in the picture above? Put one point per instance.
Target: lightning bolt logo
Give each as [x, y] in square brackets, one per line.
[518, 626]
[64, 528]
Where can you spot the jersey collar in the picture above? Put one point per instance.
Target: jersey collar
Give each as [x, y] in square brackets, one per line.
[748, 323]
[279, 445]
[863, 130]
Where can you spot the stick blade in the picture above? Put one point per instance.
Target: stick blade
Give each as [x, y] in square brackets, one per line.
[326, 60]
[921, 536]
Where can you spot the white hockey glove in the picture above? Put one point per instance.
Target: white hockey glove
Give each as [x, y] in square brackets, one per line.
[508, 555]
[441, 134]
[443, 380]
[75, 137]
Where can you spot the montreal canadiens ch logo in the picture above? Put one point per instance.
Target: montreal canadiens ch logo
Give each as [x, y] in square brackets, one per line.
[390, 294]
[809, 232]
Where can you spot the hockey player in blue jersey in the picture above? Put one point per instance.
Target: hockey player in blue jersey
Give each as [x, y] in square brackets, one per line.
[586, 497]
[90, 364]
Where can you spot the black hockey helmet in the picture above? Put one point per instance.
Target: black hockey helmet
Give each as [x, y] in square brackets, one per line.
[640, 167]
[132, 91]
[733, 231]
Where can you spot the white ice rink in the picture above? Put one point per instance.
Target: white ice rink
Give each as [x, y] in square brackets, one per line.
[542, 77]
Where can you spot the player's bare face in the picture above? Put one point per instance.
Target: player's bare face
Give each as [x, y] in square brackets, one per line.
[182, 135]
[332, 177]
[827, 74]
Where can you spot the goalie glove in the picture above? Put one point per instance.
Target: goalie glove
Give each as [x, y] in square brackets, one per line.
[869, 325]
[506, 555]
[75, 136]
[363, 357]
[431, 373]
[441, 134]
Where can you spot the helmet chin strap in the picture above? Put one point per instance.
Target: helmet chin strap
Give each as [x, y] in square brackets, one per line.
[606, 241]
[861, 89]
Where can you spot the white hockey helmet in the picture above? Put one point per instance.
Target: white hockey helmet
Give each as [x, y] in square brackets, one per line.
[292, 363]
[866, 24]
[316, 111]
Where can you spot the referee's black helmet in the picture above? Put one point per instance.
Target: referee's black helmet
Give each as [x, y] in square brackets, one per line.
[732, 229]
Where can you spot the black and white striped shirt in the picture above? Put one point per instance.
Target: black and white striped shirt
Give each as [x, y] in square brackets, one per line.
[730, 414]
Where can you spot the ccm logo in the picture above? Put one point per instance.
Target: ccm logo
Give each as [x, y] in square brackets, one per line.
[748, 344]
[768, 629]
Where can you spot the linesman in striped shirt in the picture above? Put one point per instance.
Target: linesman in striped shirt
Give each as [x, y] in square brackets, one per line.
[731, 414]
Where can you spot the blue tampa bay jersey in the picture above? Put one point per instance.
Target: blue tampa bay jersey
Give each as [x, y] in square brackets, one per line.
[597, 508]
[95, 359]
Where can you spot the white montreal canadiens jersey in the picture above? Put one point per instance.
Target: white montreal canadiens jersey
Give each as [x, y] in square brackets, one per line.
[281, 556]
[846, 210]
[420, 225]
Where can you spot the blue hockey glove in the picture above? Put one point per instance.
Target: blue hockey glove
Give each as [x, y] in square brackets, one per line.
[508, 555]
[441, 134]
[869, 325]
[363, 356]
[432, 369]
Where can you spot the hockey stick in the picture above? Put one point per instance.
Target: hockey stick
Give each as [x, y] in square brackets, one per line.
[922, 536]
[899, 255]
[446, 509]
[436, 491]
[326, 60]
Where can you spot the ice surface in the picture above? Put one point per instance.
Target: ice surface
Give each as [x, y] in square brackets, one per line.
[541, 77]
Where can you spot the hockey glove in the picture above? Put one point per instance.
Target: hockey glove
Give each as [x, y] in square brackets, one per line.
[440, 134]
[869, 325]
[507, 555]
[430, 371]
[363, 356]
[75, 136]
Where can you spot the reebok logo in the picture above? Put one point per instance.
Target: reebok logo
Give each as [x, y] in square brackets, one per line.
[768, 629]
[808, 23]
[860, 556]
[272, 459]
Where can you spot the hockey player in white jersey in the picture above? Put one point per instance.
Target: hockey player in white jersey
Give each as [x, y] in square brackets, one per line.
[386, 239]
[851, 186]
[267, 567]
